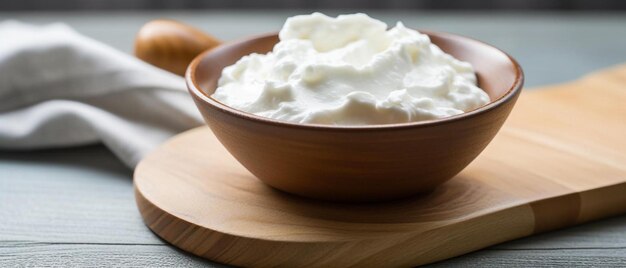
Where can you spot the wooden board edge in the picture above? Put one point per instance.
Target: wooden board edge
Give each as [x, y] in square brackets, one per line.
[453, 240]
[421, 248]
[579, 207]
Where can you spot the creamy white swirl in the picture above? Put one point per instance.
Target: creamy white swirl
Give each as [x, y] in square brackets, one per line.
[350, 70]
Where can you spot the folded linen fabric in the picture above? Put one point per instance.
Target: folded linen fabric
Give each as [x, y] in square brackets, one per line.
[60, 89]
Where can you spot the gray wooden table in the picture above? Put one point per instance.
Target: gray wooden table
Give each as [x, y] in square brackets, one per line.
[75, 207]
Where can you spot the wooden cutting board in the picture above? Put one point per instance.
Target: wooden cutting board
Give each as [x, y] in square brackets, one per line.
[560, 160]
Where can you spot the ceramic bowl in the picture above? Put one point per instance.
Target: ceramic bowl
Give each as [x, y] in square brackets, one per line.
[357, 163]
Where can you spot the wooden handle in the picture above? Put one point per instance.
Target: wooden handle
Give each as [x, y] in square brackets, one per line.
[171, 45]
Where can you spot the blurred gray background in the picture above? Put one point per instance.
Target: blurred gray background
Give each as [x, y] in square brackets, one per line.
[7, 5]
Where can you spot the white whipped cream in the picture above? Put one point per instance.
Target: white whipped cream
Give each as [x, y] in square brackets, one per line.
[350, 70]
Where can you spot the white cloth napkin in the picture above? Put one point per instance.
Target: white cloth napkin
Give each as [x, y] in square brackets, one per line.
[60, 89]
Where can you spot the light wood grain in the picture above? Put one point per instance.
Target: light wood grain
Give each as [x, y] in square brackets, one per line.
[80, 195]
[540, 258]
[96, 255]
[559, 161]
[112, 255]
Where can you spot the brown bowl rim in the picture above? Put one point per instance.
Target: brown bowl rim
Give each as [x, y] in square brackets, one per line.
[194, 87]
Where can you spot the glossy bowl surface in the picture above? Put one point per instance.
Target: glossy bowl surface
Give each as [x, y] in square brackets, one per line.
[357, 163]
